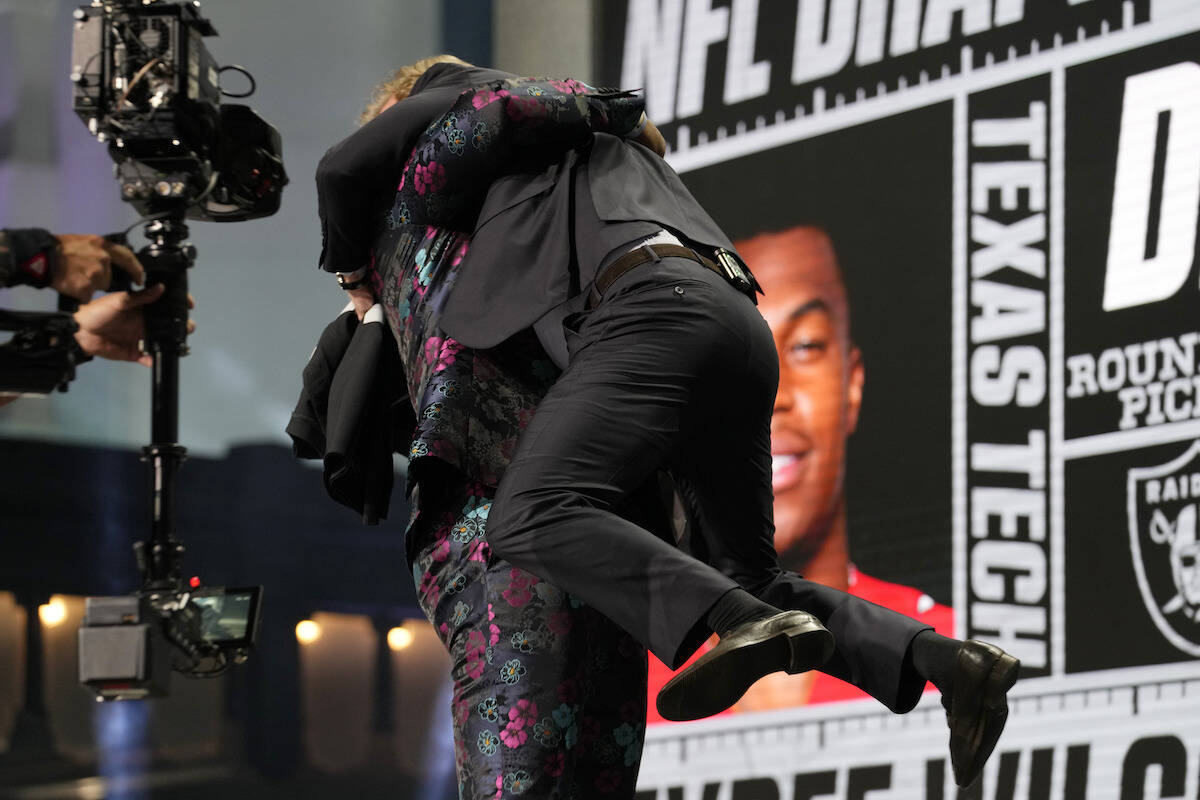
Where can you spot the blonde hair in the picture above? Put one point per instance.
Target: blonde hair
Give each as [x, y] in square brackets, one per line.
[401, 82]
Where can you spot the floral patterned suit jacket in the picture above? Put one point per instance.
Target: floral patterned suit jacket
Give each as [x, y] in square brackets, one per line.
[471, 405]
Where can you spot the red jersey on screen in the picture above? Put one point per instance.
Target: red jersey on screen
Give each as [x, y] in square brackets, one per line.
[826, 689]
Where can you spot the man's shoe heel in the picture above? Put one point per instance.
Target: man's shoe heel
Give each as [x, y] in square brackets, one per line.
[1003, 676]
[809, 649]
[983, 675]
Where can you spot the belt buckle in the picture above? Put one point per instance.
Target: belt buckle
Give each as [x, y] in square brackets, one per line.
[733, 270]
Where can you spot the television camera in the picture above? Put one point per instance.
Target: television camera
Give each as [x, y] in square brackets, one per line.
[145, 85]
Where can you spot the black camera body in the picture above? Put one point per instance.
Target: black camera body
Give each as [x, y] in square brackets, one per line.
[129, 644]
[41, 356]
[146, 84]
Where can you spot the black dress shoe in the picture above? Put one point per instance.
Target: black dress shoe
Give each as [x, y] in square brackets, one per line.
[791, 641]
[983, 674]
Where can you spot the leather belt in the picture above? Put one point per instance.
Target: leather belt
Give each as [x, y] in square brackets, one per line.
[642, 255]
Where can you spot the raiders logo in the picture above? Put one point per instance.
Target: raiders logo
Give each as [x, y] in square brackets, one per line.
[1163, 504]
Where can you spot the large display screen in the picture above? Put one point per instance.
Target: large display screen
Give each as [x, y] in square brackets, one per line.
[975, 221]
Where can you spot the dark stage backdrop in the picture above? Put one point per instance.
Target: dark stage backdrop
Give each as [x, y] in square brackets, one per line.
[1011, 189]
[256, 516]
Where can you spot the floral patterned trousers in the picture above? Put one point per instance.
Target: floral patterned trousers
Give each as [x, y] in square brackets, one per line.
[549, 695]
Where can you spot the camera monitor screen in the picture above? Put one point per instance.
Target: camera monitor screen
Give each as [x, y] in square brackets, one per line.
[229, 616]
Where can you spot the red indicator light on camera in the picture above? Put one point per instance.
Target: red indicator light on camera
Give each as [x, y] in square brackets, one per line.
[194, 582]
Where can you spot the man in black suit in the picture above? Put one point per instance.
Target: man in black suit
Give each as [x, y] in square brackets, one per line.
[668, 364]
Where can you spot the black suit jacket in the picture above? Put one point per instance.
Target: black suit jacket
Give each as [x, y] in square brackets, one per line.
[521, 266]
[516, 271]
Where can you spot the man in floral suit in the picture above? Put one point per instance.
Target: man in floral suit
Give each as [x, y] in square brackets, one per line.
[548, 695]
[667, 362]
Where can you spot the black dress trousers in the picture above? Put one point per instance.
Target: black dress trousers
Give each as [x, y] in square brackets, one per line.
[674, 368]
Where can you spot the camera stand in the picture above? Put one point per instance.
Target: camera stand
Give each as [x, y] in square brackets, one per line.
[180, 153]
[166, 259]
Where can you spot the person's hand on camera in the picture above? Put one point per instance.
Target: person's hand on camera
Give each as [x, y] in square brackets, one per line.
[85, 265]
[111, 326]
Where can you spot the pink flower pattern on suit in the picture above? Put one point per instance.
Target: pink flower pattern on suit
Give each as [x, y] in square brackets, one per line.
[428, 178]
[542, 683]
[565, 719]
